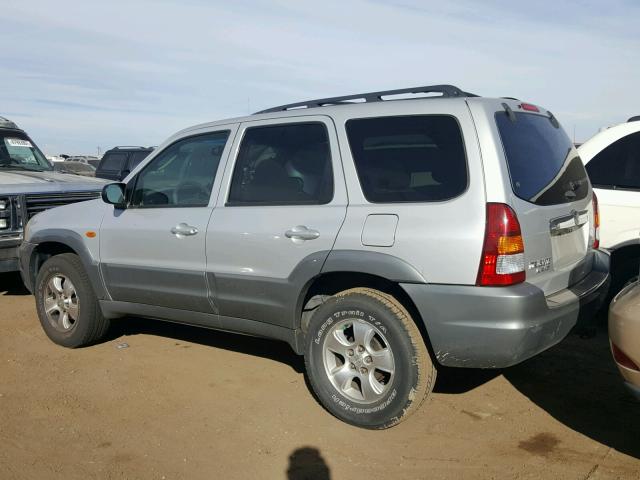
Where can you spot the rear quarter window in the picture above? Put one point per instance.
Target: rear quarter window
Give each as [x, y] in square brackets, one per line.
[544, 166]
[418, 158]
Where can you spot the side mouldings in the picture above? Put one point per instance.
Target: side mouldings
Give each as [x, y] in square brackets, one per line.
[74, 241]
[373, 263]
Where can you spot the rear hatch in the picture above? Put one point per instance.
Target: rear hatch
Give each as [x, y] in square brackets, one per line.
[552, 196]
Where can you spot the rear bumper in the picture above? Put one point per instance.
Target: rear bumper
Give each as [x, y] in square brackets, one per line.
[495, 327]
[635, 390]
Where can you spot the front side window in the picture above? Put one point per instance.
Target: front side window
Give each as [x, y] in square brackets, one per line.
[19, 153]
[182, 175]
[418, 158]
[618, 165]
[543, 164]
[283, 165]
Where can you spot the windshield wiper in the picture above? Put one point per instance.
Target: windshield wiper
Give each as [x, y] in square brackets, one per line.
[19, 167]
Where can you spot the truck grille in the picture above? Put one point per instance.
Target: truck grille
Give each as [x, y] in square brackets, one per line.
[36, 203]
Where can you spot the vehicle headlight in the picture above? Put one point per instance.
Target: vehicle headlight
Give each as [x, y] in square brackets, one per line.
[4, 204]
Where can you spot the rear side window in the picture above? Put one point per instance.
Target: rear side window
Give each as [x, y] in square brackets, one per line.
[618, 165]
[283, 165]
[543, 164]
[417, 158]
[113, 161]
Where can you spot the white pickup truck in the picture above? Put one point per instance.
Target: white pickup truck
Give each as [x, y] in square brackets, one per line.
[612, 159]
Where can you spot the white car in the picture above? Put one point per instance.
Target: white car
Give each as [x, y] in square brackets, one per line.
[612, 159]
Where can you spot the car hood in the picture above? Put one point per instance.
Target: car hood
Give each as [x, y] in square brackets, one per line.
[18, 181]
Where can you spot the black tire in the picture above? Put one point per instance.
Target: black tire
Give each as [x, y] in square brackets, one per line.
[414, 374]
[90, 325]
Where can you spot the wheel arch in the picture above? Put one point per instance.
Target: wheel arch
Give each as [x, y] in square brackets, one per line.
[347, 269]
[48, 243]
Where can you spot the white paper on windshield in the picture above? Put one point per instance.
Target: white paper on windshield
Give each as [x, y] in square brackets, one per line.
[18, 142]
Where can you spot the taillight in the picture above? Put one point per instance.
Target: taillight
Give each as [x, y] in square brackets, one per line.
[502, 261]
[596, 221]
[621, 358]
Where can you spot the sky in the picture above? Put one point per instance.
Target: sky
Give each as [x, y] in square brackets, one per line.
[79, 75]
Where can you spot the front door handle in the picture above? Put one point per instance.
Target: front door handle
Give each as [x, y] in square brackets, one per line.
[301, 232]
[184, 230]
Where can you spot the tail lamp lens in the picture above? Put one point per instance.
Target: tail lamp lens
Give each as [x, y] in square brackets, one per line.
[502, 261]
[596, 221]
[622, 358]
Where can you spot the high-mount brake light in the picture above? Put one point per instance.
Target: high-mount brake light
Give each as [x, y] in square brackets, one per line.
[502, 261]
[596, 222]
[529, 107]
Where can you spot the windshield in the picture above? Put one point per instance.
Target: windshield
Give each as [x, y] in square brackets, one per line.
[19, 153]
[543, 164]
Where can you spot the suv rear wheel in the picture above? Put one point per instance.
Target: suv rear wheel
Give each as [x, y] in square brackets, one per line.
[67, 306]
[366, 360]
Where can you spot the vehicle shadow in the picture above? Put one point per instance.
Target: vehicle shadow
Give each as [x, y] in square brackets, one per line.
[306, 463]
[578, 384]
[11, 284]
[260, 347]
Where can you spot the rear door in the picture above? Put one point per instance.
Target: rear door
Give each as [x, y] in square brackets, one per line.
[277, 219]
[551, 196]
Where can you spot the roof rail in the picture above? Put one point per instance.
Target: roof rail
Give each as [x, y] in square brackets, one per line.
[634, 119]
[129, 147]
[445, 90]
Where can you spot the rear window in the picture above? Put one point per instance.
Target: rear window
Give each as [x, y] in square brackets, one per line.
[543, 164]
[113, 161]
[136, 157]
[418, 158]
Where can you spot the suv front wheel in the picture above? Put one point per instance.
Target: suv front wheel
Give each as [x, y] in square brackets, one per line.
[67, 306]
[366, 360]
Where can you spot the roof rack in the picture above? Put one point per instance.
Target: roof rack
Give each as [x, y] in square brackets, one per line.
[446, 91]
[634, 119]
[6, 123]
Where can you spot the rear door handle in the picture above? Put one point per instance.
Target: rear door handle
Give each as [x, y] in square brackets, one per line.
[301, 232]
[184, 230]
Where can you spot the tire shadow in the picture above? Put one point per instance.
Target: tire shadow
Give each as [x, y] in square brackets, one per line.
[577, 383]
[256, 346]
[11, 284]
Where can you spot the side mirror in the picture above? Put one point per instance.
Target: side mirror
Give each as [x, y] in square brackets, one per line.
[114, 194]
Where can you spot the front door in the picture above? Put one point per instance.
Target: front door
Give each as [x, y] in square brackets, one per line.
[153, 252]
[278, 218]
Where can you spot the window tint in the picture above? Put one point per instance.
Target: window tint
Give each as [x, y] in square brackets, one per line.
[113, 161]
[182, 175]
[408, 159]
[283, 165]
[618, 165]
[136, 157]
[543, 164]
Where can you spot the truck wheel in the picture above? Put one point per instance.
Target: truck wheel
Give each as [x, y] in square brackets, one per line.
[366, 360]
[67, 306]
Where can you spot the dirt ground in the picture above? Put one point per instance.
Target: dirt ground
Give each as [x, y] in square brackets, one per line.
[187, 403]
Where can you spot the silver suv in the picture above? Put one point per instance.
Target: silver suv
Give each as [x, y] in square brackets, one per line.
[29, 185]
[379, 237]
